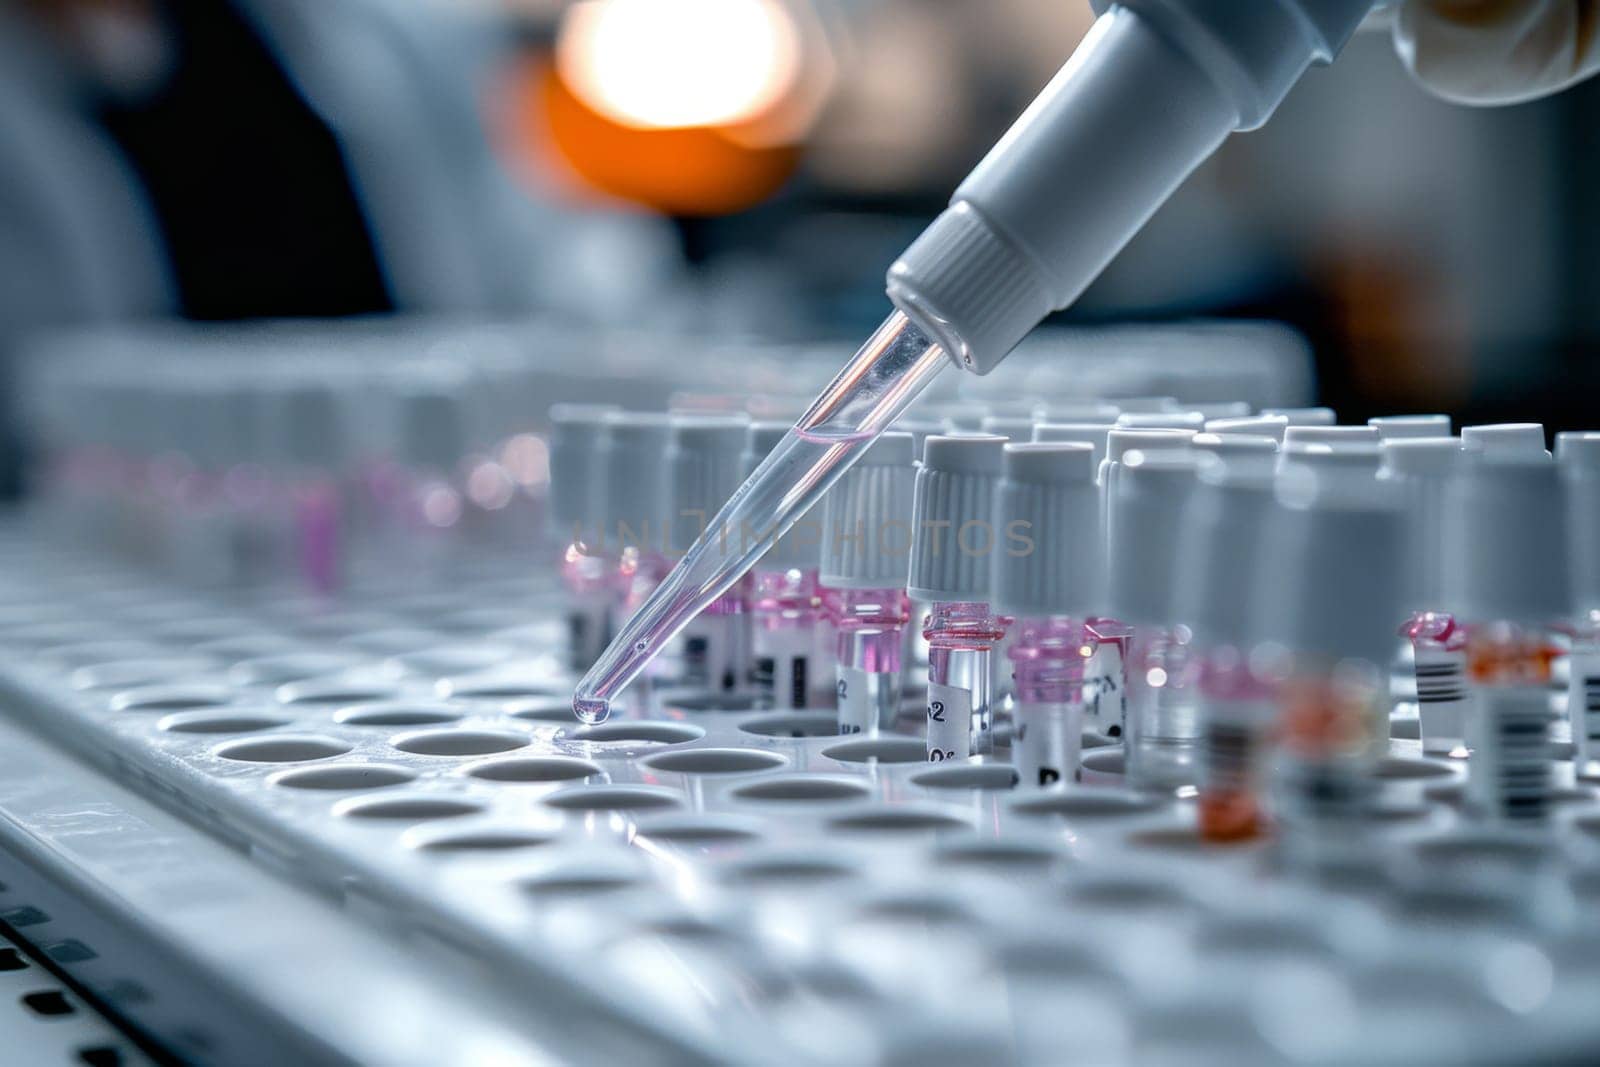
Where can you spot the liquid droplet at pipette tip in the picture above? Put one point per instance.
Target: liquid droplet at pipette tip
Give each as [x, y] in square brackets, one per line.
[591, 710]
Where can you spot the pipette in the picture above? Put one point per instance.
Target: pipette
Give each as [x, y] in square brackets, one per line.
[1152, 90]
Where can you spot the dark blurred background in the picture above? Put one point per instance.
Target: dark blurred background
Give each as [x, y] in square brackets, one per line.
[749, 168]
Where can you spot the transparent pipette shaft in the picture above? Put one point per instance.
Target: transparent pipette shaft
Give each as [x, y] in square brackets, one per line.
[895, 364]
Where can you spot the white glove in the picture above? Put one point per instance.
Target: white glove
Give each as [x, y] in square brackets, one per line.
[1498, 51]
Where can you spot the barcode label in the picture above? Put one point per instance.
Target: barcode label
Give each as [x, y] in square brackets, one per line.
[1229, 755]
[1583, 703]
[1046, 743]
[949, 723]
[1442, 698]
[782, 669]
[854, 691]
[1510, 771]
[1105, 691]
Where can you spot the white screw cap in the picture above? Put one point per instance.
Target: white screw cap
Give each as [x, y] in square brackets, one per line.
[1578, 456]
[577, 469]
[1162, 420]
[1304, 416]
[1526, 438]
[866, 518]
[801, 547]
[1219, 563]
[1047, 496]
[1331, 572]
[1094, 434]
[953, 518]
[1273, 426]
[1505, 539]
[1145, 516]
[707, 456]
[637, 480]
[1391, 427]
[1421, 469]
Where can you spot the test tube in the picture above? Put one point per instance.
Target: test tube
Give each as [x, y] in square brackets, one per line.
[791, 638]
[1578, 457]
[1219, 577]
[706, 467]
[916, 646]
[1421, 468]
[1046, 578]
[1147, 517]
[1508, 575]
[433, 507]
[953, 540]
[1108, 688]
[577, 491]
[1328, 596]
[1394, 427]
[866, 540]
[313, 446]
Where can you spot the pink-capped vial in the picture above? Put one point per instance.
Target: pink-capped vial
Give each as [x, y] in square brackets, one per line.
[1421, 468]
[791, 638]
[1220, 579]
[577, 488]
[866, 547]
[1147, 514]
[1047, 576]
[705, 466]
[953, 542]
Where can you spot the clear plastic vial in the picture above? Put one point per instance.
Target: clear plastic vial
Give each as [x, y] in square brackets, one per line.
[866, 531]
[953, 542]
[1421, 469]
[1509, 779]
[636, 518]
[1331, 564]
[791, 662]
[1578, 457]
[1049, 664]
[961, 638]
[1507, 566]
[1219, 574]
[705, 467]
[870, 624]
[1146, 517]
[1111, 679]
[883, 377]
[577, 488]
[1047, 571]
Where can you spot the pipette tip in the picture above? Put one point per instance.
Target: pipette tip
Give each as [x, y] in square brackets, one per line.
[591, 710]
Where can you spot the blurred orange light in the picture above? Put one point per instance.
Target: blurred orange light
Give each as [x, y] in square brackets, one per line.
[689, 107]
[676, 64]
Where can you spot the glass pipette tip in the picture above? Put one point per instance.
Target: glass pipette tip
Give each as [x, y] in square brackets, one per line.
[883, 377]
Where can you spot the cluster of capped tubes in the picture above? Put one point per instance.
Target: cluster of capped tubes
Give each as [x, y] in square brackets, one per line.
[1252, 604]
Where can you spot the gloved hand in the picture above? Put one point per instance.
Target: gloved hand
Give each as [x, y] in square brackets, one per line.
[1498, 51]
